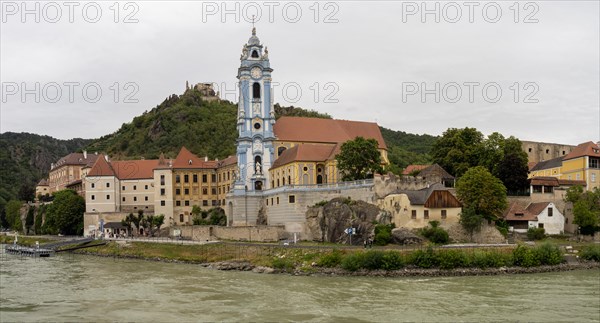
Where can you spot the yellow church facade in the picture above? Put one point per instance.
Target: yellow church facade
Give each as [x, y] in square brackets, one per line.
[305, 149]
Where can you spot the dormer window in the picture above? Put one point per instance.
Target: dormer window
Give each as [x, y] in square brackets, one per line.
[189, 162]
[519, 214]
[254, 54]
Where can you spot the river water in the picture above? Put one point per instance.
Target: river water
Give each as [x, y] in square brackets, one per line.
[87, 288]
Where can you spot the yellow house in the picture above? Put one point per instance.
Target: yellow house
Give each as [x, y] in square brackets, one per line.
[42, 188]
[199, 181]
[305, 149]
[414, 209]
[68, 170]
[547, 168]
[583, 163]
[305, 164]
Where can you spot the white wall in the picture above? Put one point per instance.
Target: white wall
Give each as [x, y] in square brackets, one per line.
[99, 188]
[554, 224]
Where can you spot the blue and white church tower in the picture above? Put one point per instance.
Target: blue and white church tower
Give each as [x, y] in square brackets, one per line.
[256, 117]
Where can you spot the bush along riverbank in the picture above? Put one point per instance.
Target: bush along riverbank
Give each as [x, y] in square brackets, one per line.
[428, 261]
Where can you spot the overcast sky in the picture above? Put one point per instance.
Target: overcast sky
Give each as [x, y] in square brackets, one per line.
[371, 61]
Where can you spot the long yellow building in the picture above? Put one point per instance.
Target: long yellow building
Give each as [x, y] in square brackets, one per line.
[583, 163]
[306, 149]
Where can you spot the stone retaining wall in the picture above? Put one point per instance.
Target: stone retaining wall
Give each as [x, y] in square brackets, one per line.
[210, 233]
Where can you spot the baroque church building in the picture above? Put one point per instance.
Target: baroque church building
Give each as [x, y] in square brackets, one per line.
[281, 167]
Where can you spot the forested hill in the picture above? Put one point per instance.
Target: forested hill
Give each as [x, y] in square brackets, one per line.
[205, 128]
[208, 128]
[407, 148]
[25, 158]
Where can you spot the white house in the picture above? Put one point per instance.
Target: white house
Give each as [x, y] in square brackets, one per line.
[536, 215]
[548, 217]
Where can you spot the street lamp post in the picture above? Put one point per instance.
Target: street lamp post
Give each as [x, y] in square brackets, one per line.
[246, 203]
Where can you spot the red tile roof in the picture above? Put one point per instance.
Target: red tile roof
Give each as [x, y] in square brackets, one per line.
[537, 208]
[317, 130]
[411, 168]
[231, 160]
[101, 168]
[135, 169]
[531, 165]
[585, 149]
[572, 182]
[43, 182]
[186, 159]
[76, 159]
[554, 181]
[124, 169]
[515, 212]
[305, 152]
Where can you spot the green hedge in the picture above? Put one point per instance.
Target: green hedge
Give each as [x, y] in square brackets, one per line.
[591, 253]
[523, 256]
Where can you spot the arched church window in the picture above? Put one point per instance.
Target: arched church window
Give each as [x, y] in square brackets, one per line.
[254, 54]
[280, 150]
[256, 91]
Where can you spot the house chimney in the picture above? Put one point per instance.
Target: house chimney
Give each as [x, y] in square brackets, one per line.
[106, 157]
[51, 166]
[205, 158]
[84, 154]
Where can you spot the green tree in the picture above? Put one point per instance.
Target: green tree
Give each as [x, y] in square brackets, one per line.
[65, 214]
[217, 216]
[470, 221]
[458, 150]
[38, 219]
[435, 233]
[26, 192]
[147, 223]
[480, 190]
[157, 222]
[29, 220]
[492, 152]
[512, 169]
[359, 159]
[586, 208]
[383, 234]
[128, 222]
[196, 211]
[137, 220]
[13, 215]
[574, 194]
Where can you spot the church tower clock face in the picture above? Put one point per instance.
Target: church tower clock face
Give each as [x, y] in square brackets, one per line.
[255, 72]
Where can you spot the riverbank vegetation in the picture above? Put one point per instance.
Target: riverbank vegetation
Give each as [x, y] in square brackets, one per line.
[315, 260]
[23, 241]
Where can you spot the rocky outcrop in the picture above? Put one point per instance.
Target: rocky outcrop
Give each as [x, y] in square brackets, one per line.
[404, 236]
[329, 221]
